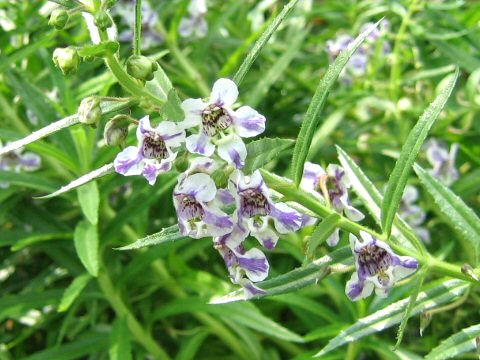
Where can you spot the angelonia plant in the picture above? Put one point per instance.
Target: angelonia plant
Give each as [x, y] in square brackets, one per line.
[223, 189]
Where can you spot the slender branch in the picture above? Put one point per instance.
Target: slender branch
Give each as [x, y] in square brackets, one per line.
[137, 38]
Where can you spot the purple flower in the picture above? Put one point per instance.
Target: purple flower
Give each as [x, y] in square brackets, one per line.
[153, 154]
[413, 214]
[197, 212]
[194, 24]
[219, 124]
[17, 161]
[339, 44]
[337, 185]
[442, 161]
[255, 209]
[378, 267]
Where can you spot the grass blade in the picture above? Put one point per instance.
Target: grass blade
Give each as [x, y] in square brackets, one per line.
[459, 343]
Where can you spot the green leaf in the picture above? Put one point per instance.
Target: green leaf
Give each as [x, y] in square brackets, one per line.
[172, 108]
[99, 50]
[458, 215]
[442, 292]
[459, 343]
[120, 348]
[73, 290]
[32, 181]
[311, 119]
[86, 245]
[17, 305]
[322, 233]
[262, 151]
[161, 85]
[190, 347]
[401, 171]
[261, 42]
[89, 199]
[167, 235]
[38, 238]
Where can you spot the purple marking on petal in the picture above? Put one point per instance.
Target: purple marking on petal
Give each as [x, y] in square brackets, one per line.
[253, 264]
[268, 243]
[30, 161]
[225, 197]
[291, 220]
[217, 220]
[355, 290]
[150, 173]
[253, 290]
[122, 166]
[409, 263]
[169, 137]
[235, 156]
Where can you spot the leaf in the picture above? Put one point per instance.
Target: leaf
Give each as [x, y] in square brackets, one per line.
[16, 305]
[262, 151]
[99, 50]
[86, 245]
[167, 235]
[312, 118]
[295, 279]
[161, 85]
[401, 171]
[321, 233]
[172, 108]
[190, 347]
[442, 292]
[459, 343]
[89, 199]
[31, 181]
[37, 238]
[120, 348]
[261, 42]
[104, 170]
[458, 215]
[73, 290]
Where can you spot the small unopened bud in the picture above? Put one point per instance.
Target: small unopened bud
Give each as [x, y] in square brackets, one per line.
[66, 59]
[141, 67]
[89, 111]
[58, 19]
[468, 270]
[425, 319]
[102, 20]
[116, 130]
[181, 163]
[220, 178]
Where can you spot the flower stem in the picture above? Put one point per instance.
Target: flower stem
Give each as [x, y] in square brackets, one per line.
[137, 38]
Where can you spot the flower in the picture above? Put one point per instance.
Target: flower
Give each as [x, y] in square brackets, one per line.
[17, 161]
[197, 212]
[337, 185]
[442, 161]
[255, 209]
[153, 154]
[378, 267]
[195, 24]
[413, 214]
[219, 124]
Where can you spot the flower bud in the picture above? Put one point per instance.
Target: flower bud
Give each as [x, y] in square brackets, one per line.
[102, 20]
[141, 67]
[89, 111]
[66, 59]
[58, 19]
[181, 163]
[116, 130]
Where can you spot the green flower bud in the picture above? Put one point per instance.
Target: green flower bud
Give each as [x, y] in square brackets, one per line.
[58, 19]
[89, 112]
[181, 163]
[66, 59]
[102, 20]
[141, 67]
[116, 130]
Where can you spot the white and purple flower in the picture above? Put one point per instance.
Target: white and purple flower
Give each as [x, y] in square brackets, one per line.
[378, 267]
[18, 161]
[442, 161]
[256, 211]
[336, 183]
[153, 154]
[197, 211]
[221, 126]
[194, 24]
[413, 214]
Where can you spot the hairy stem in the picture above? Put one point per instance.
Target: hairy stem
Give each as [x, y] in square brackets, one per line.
[137, 38]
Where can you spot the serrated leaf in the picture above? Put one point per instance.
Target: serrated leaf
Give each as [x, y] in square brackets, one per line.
[86, 244]
[262, 151]
[311, 119]
[459, 343]
[167, 235]
[89, 199]
[99, 50]
[120, 348]
[458, 215]
[321, 233]
[401, 171]
[82, 180]
[441, 293]
[73, 290]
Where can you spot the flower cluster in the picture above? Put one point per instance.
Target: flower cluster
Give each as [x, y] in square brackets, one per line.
[357, 64]
[18, 161]
[442, 161]
[240, 208]
[194, 24]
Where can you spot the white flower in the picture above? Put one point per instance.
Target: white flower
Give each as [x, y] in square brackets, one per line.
[195, 24]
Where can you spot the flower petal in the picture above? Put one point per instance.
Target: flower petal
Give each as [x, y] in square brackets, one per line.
[357, 289]
[267, 237]
[334, 238]
[252, 290]
[200, 144]
[233, 151]
[248, 122]
[219, 222]
[255, 264]
[185, 28]
[143, 127]
[224, 93]
[311, 176]
[30, 161]
[352, 213]
[285, 218]
[200, 186]
[193, 109]
[129, 162]
[170, 133]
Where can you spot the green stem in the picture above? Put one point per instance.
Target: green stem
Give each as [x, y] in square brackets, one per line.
[136, 329]
[137, 38]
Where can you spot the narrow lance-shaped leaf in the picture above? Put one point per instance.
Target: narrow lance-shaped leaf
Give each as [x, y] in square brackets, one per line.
[401, 171]
[457, 214]
[86, 245]
[311, 119]
[120, 347]
[459, 343]
[167, 235]
[262, 151]
[73, 290]
[89, 199]
[443, 292]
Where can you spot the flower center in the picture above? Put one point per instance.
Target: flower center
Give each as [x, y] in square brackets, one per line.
[214, 120]
[335, 189]
[189, 207]
[154, 147]
[253, 203]
[374, 259]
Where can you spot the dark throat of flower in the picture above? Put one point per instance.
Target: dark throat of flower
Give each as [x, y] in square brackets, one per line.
[154, 147]
[374, 259]
[254, 203]
[214, 120]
